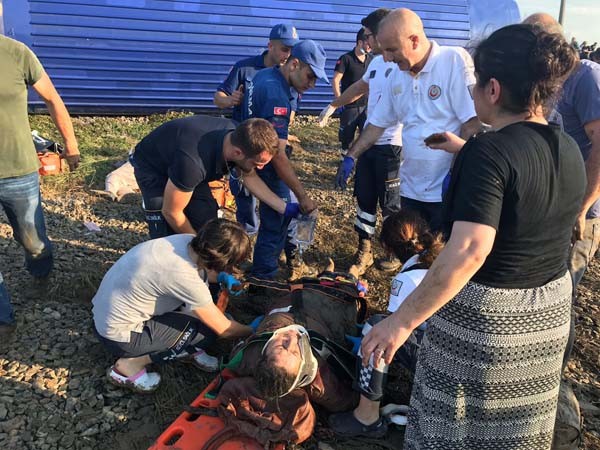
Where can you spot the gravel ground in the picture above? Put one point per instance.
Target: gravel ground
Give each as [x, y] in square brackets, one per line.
[53, 393]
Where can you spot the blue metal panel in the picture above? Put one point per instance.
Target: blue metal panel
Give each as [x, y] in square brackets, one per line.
[122, 56]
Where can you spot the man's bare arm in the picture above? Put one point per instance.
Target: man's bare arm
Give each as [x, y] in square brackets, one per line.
[353, 93]
[224, 101]
[367, 138]
[335, 84]
[470, 128]
[286, 172]
[592, 171]
[174, 203]
[60, 117]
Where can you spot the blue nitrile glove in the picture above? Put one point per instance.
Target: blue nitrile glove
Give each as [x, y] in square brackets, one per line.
[229, 281]
[446, 183]
[255, 323]
[343, 172]
[362, 287]
[291, 210]
[355, 341]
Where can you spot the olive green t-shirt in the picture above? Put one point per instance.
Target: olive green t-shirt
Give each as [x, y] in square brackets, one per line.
[20, 69]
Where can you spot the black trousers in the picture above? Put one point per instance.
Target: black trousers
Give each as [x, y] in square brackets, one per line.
[201, 208]
[376, 181]
[351, 119]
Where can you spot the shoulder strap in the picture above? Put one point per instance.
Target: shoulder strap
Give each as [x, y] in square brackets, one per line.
[341, 360]
[418, 266]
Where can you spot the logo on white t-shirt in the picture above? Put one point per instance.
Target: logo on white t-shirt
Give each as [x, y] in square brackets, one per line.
[396, 286]
[434, 92]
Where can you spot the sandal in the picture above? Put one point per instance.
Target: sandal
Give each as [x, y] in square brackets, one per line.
[143, 382]
[346, 425]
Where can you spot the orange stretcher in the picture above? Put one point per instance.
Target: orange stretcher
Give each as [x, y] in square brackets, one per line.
[200, 428]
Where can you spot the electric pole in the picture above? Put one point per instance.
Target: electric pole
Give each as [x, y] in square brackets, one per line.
[561, 13]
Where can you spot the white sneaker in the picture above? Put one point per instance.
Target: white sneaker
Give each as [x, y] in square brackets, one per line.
[205, 362]
[142, 382]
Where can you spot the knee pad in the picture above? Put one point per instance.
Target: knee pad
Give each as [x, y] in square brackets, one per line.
[371, 379]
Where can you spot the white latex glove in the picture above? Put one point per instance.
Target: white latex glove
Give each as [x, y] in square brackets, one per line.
[326, 114]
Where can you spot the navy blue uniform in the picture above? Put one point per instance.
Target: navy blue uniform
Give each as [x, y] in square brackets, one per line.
[269, 96]
[245, 69]
[354, 114]
[239, 73]
[242, 72]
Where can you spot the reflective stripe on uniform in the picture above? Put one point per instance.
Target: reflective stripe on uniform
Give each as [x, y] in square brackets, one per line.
[365, 221]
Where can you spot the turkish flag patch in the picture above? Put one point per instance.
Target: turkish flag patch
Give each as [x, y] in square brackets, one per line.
[280, 111]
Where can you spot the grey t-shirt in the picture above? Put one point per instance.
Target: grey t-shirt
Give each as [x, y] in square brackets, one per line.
[579, 105]
[151, 279]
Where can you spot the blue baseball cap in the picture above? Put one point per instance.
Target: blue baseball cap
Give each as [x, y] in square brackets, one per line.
[312, 53]
[285, 33]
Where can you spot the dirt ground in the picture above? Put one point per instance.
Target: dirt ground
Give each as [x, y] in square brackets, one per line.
[53, 392]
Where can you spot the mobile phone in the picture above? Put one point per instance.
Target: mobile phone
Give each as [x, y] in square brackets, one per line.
[435, 138]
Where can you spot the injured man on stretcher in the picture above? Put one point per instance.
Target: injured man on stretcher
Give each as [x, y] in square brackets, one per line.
[301, 358]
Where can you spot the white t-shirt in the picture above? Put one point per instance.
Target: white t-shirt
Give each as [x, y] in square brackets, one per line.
[404, 283]
[437, 99]
[151, 279]
[377, 75]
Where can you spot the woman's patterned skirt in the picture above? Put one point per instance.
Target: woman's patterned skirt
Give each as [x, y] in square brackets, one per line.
[489, 370]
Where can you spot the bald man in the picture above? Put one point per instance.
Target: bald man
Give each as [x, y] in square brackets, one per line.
[429, 94]
[578, 110]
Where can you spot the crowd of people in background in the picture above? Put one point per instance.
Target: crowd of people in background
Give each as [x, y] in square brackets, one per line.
[586, 51]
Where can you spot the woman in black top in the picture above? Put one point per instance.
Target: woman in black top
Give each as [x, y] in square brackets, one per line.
[499, 294]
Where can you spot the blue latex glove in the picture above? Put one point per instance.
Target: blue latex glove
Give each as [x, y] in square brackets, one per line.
[229, 281]
[291, 210]
[362, 288]
[355, 341]
[343, 173]
[255, 323]
[446, 183]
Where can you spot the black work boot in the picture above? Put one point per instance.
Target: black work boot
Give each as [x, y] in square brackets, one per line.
[388, 263]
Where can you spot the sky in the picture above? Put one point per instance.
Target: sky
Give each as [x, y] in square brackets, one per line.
[581, 17]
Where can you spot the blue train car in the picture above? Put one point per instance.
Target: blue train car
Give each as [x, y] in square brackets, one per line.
[136, 56]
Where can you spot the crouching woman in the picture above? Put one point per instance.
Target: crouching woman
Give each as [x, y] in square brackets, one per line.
[405, 235]
[154, 304]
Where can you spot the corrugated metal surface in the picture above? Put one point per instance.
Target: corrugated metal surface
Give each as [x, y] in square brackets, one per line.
[138, 55]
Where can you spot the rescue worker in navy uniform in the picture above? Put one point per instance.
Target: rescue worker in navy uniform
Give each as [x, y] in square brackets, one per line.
[230, 94]
[269, 95]
[350, 68]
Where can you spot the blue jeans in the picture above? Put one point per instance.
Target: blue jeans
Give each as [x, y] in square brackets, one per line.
[20, 197]
[273, 229]
[6, 310]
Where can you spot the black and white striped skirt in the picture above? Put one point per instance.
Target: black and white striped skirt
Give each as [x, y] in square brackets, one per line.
[489, 370]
